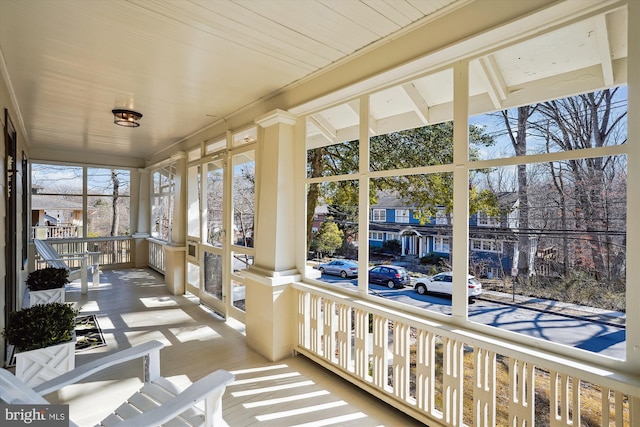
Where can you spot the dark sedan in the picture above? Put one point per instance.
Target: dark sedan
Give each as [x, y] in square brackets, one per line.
[390, 276]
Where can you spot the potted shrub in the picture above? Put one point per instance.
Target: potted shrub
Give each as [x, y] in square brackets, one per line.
[47, 285]
[44, 339]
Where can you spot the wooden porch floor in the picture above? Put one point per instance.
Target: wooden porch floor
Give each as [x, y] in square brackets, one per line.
[132, 306]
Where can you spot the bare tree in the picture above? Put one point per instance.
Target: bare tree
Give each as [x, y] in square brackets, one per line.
[244, 205]
[579, 122]
[518, 138]
[115, 217]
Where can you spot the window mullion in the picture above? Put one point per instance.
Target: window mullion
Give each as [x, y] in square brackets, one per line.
[460, 239]
[363, 196]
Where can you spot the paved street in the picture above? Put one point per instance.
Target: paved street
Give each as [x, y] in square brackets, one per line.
[590, 329]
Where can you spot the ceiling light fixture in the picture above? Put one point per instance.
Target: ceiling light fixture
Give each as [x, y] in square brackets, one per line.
[126, 118]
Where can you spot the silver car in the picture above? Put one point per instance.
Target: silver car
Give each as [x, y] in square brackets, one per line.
[339, 267]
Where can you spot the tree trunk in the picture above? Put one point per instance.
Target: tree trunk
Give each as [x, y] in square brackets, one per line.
[313, 193]
[115, 218]
[519, 143]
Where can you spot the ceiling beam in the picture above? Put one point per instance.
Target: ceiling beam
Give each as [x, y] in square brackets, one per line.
[422, 108]
[496, 86]
[604, 50]
[324, 127]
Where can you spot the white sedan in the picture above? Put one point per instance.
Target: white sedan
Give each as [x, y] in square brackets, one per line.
[443, 284]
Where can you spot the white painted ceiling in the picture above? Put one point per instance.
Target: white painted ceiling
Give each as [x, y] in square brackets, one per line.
[185, 64]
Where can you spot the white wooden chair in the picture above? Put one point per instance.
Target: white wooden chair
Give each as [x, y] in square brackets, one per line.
[158, 401]
[89, 263]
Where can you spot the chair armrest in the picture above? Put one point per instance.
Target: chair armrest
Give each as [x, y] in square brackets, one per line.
[93, 258]
[65, 258]
[212, 385]
[98, 365]
[75, 255]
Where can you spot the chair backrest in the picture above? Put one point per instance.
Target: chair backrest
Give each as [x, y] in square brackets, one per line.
[49, 254]
[14, 391]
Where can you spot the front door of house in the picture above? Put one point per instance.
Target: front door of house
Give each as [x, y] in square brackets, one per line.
[11, 221]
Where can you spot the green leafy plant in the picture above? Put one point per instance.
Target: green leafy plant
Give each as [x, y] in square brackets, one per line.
[41, 326]
[47, 278]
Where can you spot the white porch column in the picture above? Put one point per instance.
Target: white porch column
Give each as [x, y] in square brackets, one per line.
[633, 196]
[269, 300]
[141, 213]
[175, 253]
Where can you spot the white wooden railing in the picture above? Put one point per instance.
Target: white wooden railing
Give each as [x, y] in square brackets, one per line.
[65, 231]
[156, 255]
[444, 375]
[114, 251]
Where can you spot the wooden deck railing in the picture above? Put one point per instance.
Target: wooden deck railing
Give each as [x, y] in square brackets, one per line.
[444, 375]
[114, 251]
[55, 232]
[156, 255]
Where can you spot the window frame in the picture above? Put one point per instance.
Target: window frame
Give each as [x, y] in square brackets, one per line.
[378, 215]
[163, 195]
[402, 216]
[440, 246]
[83, 193]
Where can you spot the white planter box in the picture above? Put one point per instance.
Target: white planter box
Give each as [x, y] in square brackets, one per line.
[37, 366]
[46, 297]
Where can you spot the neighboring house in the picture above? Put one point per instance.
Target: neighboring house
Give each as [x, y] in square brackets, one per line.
[492, 243]
[54, 217]
[319, 216]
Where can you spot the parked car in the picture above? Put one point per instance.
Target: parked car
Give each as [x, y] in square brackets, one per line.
[339, 267]
[443, 284]
[390, 275]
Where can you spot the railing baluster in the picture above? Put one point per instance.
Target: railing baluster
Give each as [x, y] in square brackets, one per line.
[425, 371]
[380, 350]
[521, 388]
[303, 318]
[484, 392]
[316, 324]
[360, 353]
[453, 368]
[328, 330]
[619, 400]
[401, 355]
[343, 335]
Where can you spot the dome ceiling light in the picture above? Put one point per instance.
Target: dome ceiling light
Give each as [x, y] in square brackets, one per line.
[126, 118]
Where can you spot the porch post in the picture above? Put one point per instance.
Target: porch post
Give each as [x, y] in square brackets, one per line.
[175, 252]
[269, 300]
[141, 213]
[633, 197]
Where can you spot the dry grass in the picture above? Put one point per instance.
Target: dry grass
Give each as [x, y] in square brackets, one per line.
[578, 289]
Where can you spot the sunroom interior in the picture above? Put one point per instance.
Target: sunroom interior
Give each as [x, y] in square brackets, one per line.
[217, 188]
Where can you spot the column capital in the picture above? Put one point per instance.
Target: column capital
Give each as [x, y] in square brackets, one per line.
[276, 117]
